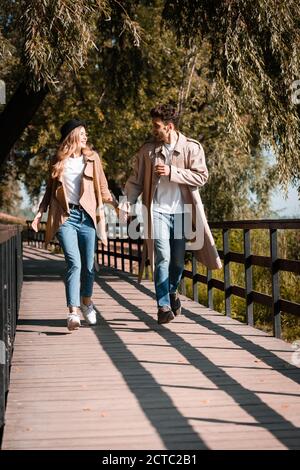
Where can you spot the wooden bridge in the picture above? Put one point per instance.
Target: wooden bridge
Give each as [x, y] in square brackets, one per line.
[203, 381]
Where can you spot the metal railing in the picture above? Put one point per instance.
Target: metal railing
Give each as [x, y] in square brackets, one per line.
[128, 251]
[11, 277]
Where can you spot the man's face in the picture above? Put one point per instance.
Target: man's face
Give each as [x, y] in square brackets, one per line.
[160, 130]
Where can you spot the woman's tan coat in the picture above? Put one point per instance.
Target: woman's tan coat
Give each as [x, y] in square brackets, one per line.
[93, 193]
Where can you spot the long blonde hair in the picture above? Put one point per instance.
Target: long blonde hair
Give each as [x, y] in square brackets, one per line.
[66, 148]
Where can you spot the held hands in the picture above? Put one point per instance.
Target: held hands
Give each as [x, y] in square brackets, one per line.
[36, 221]
[124, 212]
[123, 216]
[162, 170]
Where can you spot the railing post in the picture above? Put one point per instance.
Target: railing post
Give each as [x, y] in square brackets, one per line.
[115, 252]
[139, 250]
[102, 253]
[210, 300]
[122, 254]
[28, 233]
[248, 277]
[275, 284]
[195, 283]
[227, 288]
[130, 255]
[182, 286]
[108, 252]
[147, 270]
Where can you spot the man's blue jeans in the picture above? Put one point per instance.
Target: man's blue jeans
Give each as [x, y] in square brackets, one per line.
[77, 237]
[169, 250]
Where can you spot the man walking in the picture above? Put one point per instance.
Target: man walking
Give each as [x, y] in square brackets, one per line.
[168, 171]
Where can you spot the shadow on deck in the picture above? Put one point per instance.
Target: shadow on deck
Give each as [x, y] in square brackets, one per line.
[204, 381]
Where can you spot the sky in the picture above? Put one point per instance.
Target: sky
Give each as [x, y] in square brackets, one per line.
[289, 207]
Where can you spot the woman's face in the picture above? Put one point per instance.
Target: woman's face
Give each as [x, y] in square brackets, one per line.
[82, 137]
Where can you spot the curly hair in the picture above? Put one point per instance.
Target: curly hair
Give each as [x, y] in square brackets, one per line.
[165, 112]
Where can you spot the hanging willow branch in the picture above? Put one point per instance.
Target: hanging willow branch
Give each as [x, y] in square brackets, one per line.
[63, 32]
[254, 63]
[57, 32]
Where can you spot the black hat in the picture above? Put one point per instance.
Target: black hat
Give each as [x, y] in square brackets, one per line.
[69, 126]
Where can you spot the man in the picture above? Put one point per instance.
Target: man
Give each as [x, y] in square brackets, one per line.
[168, 171]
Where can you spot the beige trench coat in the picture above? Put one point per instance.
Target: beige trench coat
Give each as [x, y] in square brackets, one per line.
[93, 193]
[188, 169]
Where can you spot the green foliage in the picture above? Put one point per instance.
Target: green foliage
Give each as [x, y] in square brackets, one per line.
[10, 197]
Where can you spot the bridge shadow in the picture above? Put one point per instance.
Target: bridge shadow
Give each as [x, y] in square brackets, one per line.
[266, 417]
[133, 372]
[260, 352]
[52, 323]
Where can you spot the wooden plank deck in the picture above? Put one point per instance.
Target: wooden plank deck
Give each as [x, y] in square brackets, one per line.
[203, 381]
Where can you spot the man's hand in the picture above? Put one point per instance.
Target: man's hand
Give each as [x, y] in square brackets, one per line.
[36, 221]
[162, 170]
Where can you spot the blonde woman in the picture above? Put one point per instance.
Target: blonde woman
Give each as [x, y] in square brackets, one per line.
[76, 190]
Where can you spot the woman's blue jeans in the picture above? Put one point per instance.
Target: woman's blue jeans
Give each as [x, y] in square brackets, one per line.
[169, 250]
[77, 238]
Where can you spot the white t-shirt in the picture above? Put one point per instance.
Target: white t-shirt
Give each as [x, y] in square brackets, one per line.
[72, 174]
[168, 197]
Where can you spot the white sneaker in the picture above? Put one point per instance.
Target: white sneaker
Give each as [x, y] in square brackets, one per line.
[73, 321]
[89, 313]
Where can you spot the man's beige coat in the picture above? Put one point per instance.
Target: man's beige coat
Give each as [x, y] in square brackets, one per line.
[188, 169]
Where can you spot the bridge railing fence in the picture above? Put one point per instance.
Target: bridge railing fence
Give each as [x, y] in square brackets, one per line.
[11, 278]
[124, 253]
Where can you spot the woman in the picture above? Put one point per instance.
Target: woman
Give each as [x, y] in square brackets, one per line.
[76, 190]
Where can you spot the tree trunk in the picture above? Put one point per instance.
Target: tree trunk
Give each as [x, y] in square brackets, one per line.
[16, 116]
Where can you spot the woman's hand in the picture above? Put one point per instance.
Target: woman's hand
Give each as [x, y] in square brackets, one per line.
[36, 221]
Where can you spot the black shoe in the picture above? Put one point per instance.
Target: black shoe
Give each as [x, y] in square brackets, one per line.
[175, 304]
[165, 315]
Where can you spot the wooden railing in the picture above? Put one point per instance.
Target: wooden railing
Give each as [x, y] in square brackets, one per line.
[11, 277]
[272, 262]
[125, 253]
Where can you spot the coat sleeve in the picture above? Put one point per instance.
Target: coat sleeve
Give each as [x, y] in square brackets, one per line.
[44, 204]
[135, 183]
[103, 185]
[196, 174]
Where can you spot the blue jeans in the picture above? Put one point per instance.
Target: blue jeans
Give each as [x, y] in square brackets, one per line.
[77, 238]
[169, 250]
